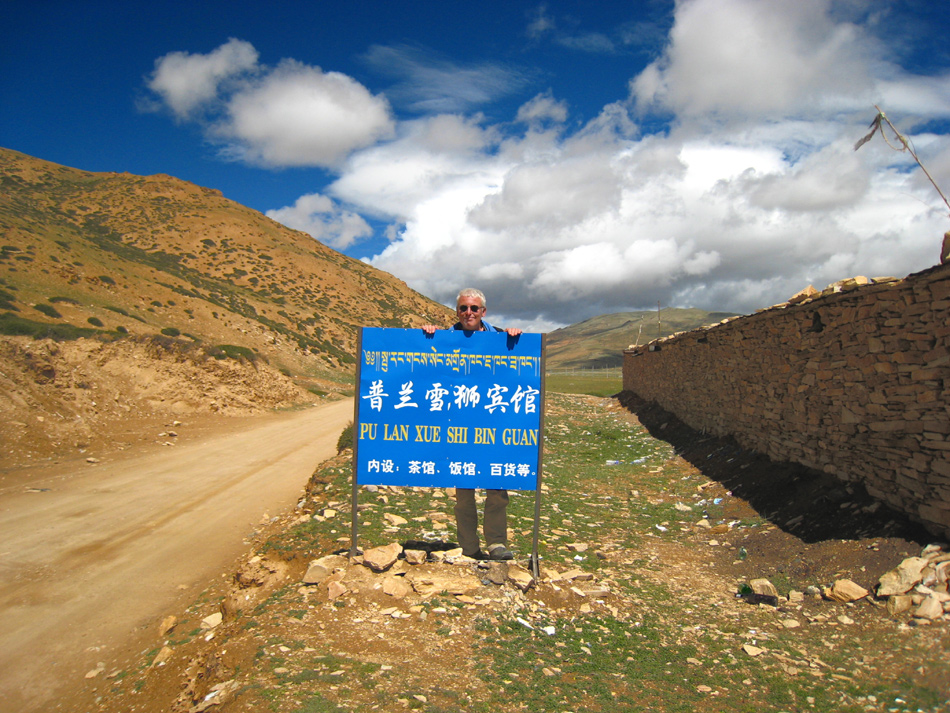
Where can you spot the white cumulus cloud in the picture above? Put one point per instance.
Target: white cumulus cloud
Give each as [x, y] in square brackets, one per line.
[749, 58]
[302, 116]
[541, 109]
[319, 216]
[289, 115]
[188, 81]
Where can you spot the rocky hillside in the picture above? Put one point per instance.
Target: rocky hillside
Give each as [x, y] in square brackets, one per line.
[125, 297]
[145, 255]
[600, 341]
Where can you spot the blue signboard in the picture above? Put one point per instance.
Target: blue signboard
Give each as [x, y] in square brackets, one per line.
[450, 409]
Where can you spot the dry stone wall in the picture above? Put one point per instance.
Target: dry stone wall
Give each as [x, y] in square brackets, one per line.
[853, 381]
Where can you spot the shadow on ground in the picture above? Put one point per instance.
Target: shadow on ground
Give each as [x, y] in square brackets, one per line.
[809, 504]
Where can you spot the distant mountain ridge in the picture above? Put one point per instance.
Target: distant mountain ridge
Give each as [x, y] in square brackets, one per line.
[138, 255]
[600, 341]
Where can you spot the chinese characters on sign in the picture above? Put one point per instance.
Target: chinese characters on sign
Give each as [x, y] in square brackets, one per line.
[451, 409]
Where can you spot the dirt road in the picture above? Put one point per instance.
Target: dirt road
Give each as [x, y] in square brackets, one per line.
[93, 555]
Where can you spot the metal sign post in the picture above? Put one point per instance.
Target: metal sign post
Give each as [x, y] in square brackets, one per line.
[535, 565]
[354, 550]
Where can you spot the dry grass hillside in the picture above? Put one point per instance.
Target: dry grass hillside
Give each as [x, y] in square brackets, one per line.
[151, 295]
[600, 341]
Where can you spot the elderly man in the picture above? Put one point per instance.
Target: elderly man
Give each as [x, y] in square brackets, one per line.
[470, 309]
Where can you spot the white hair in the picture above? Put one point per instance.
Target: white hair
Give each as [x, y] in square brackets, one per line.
[472, 292]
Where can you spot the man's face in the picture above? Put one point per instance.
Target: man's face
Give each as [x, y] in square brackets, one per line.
[470, 311]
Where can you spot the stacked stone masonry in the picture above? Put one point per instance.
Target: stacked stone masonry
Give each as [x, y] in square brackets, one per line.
[853, 381]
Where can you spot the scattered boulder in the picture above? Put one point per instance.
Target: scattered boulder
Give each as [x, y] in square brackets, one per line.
[844, 591]
[220, 694]
[497, 572]
[764, 587]
[520, 577]
[396, 587]
[919, 586]
[256, 573]
[456, 557]
[379, 559]
[930, 608]
[416, 556]
[428, 581]
[320, 569]
[571, 574]
[162, 656]
[902, 578]
[167, 625]
[595, 591]
[899, 603]
[212, 620]
[96, 671]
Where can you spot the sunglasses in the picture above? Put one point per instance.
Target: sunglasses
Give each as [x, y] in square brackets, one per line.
[466, 308]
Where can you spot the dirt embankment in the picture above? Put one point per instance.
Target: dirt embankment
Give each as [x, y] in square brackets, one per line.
[131, 469]
[86, 397]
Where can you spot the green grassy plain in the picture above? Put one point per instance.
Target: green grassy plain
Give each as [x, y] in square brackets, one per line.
[593, 382]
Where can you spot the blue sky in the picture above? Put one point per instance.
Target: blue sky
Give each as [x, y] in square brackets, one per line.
[569, 158]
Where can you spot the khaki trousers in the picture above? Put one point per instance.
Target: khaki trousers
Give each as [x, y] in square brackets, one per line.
[495, 525]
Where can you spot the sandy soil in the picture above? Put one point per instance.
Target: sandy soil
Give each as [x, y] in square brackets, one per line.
[95, 554]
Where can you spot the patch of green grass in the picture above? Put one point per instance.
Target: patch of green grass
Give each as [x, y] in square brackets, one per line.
[14, 325]
[317, 704]
[346, 438]
[7, 301]
[48, 310]
[591, 383]
[590, 663]
[233, 351]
